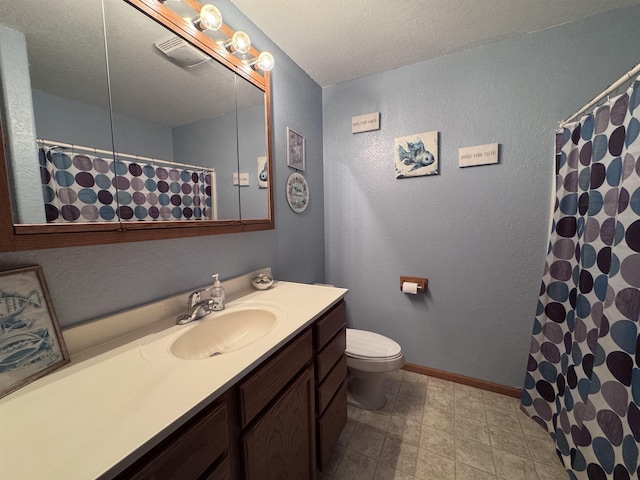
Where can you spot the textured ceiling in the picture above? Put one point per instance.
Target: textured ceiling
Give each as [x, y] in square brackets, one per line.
[67, 59]
[339, 40]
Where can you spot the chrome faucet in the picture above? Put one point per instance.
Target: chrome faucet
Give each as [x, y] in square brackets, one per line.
[198, 308]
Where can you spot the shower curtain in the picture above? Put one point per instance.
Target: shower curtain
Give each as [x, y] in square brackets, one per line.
[583, 380]
[87, 188]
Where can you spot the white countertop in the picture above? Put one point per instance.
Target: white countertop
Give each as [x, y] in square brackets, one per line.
[87, 418]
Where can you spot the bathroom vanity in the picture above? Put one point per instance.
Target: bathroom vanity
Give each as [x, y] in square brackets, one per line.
[131, 409]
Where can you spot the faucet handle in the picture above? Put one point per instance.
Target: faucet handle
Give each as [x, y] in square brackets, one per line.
[195, 298]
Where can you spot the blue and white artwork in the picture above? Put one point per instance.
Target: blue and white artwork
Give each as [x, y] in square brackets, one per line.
[416, 155]
[263, 172]
[30, 341]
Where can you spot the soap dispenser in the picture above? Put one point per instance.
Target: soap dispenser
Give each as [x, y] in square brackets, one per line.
[217, 294]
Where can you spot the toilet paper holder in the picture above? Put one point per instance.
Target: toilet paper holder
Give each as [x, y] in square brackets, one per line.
[422, 283]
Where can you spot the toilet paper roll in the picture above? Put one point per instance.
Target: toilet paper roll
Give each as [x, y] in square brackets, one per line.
[410, 287]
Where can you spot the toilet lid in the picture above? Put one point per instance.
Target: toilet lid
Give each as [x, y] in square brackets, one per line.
[365, 344]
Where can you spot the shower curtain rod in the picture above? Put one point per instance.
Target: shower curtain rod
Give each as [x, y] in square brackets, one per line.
[125, 155]
[625, 78]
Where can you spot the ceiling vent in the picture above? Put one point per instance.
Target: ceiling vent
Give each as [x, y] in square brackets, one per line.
[181, 52]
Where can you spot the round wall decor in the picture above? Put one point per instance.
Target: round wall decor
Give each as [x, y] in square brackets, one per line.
[297, 192]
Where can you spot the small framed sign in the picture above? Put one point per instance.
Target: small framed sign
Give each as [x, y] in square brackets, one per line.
[478, 155]
[31, 343]
[295, 150]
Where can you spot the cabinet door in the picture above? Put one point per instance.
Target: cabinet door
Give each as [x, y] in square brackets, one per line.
[281, 445]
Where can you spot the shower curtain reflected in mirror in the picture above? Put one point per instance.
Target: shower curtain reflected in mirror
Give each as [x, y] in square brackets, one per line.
[583, 381]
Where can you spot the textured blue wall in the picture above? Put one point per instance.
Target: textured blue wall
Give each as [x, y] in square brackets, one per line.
[479, 234]
[90, 282]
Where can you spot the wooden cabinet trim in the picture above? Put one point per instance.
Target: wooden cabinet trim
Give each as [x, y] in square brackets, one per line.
[189, 452]
[331, 384]
[330, 426]
[261, 387]
[328, 357]
[282, 443]
[330, 324]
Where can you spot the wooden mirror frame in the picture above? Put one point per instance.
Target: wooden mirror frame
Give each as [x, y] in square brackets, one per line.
[40, 236]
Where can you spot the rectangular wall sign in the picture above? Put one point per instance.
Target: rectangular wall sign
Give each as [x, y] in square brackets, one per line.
[478, 155]
[365, 123]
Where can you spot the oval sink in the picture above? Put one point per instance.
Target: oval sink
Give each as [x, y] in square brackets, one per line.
[224, 332]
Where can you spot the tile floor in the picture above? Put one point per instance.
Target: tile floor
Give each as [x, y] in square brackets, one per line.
[431, 429]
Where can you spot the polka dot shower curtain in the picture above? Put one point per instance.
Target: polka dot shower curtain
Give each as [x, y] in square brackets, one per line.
[583, 381]
[86, 188]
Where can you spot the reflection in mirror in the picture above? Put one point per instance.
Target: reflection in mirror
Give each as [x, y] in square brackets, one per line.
[164, 146]
[175, 106]
[252, 148]
[54, 88]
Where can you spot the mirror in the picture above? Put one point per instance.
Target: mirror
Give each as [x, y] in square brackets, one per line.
[132, 128]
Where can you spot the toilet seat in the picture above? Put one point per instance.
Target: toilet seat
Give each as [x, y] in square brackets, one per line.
[362, 344]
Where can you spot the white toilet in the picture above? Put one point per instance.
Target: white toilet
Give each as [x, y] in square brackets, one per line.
[369, 356]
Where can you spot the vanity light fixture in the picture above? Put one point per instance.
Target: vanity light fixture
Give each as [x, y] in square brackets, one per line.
[209, 18]
[239, 43]
[264, 62]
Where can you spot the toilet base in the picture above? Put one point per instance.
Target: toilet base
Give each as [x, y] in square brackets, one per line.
[366, 390]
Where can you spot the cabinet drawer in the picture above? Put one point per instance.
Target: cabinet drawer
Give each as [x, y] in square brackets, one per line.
[187, 453]
[331, 383]
[330, 324]
[221, 472]
[328, 357]
[257, 391]
[330, 426]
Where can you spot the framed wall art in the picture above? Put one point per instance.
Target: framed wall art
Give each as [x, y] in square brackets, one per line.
[297, 192]
[295, 150]
[416, 155]
[31, 343]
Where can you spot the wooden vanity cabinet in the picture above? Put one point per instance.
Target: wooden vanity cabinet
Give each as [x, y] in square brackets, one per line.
[331, 374]
[280, 422]
[277, 408]
[197, 450]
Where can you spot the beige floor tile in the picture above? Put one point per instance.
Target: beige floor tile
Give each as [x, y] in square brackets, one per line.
[413, 377]
[531, 428]
[409, 406]
[431, 466]
[465, 472]
[475, 454]
[332, 465]
[547, 472]
[469, 409]
[503, 419]
[439, 400]
[498, 401]
[509, 441]
[375, 419]
[395, 375]
[366, 441]
[353, 413]
[437, 441]
[465, 392]
[416, 390]
[384, 472]
[439, 384]
[438, 419]
[345, 436]
[353, 466]
[543, 451]
[472, 429]
[513, 467]
[404, 429]
[401, 456]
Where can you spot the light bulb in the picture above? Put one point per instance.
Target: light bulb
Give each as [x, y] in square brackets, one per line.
[264, 62]
[240, 42]
[209, 18]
